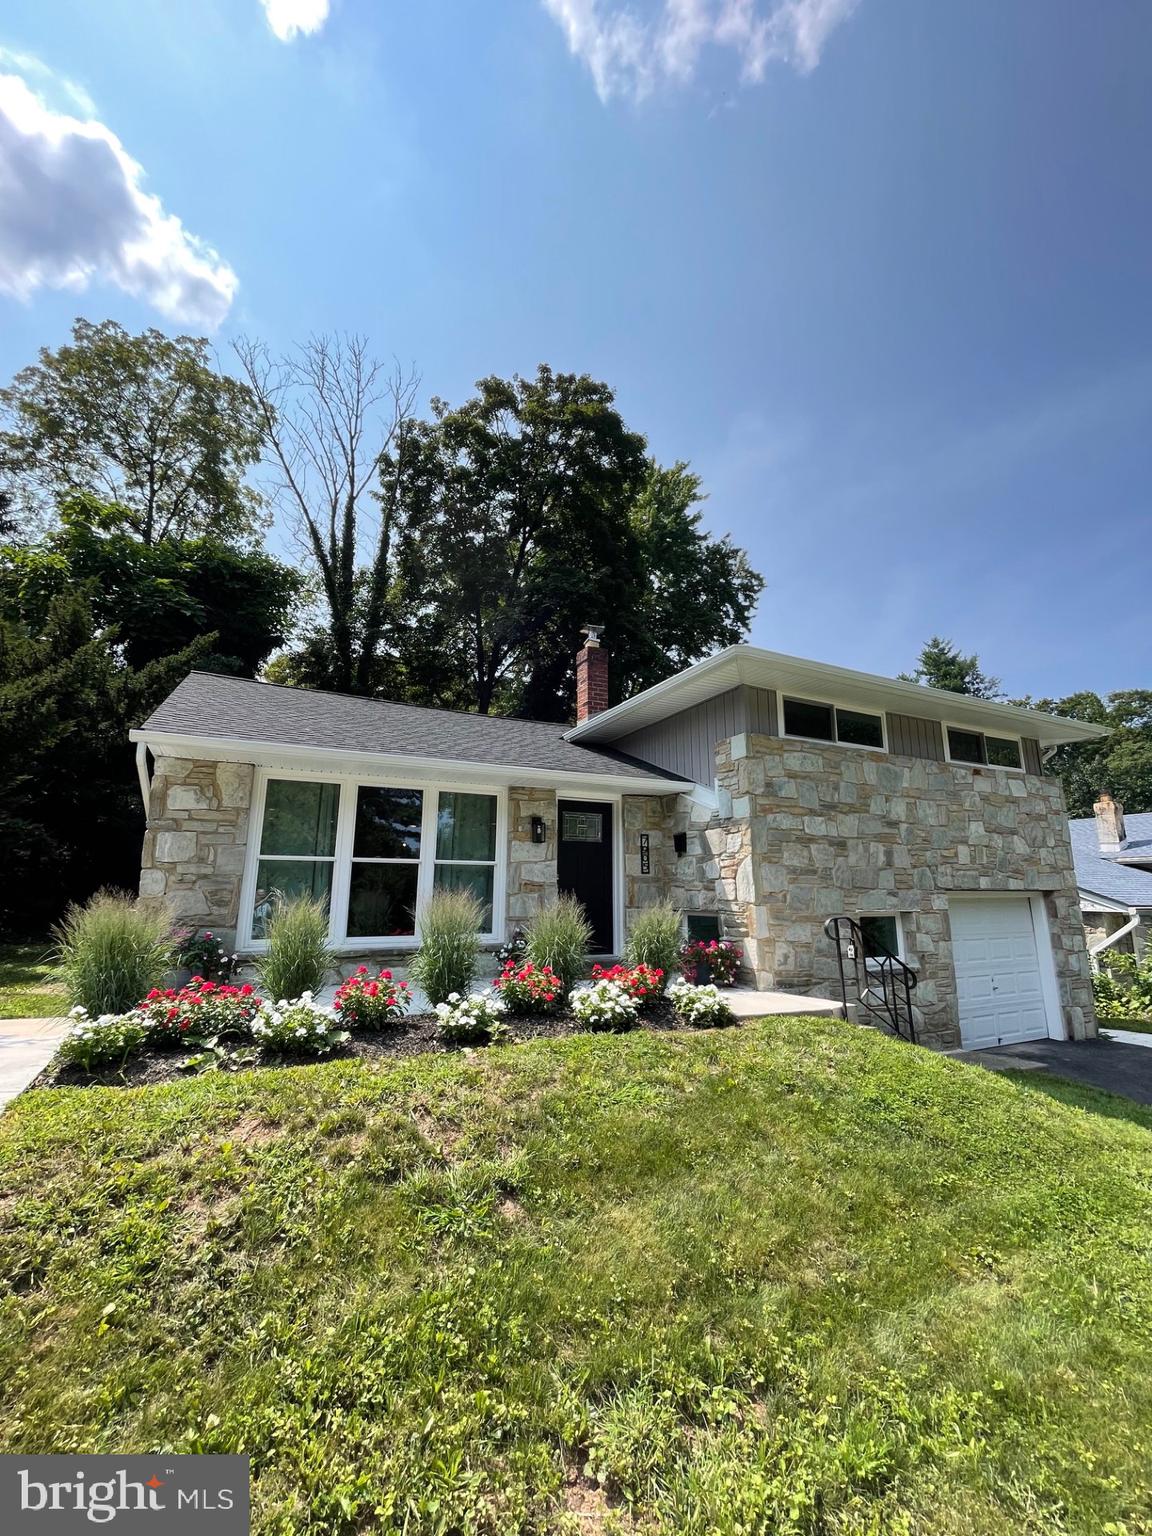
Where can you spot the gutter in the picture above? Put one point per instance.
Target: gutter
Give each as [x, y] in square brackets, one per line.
[1129, 927]
[142, 775]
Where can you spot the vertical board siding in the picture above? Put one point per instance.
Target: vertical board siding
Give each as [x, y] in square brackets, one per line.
[686, 742]
[1032, 759]
[761, 712]
[910, 736]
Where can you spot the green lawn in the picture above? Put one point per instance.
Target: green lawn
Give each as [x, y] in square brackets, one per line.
[795, 1277]
[26, 988]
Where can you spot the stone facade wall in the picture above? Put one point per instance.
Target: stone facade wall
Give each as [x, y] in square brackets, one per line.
[840, 830]
[531, 866]
[195, 840]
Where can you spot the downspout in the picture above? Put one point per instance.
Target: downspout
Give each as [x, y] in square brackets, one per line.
[1098, 949]
[142, 775]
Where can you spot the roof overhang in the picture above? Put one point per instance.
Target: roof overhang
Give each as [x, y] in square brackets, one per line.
[748, 664]
[1091, 901]
[398, 766]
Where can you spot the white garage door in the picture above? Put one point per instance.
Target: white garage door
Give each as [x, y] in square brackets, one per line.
[994, 949]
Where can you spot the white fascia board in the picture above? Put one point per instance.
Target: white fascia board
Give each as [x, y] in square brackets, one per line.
[817, 680]
[334, 761]
[1091, 902]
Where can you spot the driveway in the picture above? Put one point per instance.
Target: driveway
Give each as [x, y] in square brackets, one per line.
[1117, 1066]
[26, 1048]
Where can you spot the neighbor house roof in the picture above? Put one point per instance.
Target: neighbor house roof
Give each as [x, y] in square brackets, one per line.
[237, 713]
[740, 664]
[1107, 874]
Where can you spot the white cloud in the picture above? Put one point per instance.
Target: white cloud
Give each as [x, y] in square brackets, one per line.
[73, 210]
[289, 17]
[629, 54]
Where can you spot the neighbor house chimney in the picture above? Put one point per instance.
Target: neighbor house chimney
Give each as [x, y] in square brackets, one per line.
[1109, 815]
[591, 675]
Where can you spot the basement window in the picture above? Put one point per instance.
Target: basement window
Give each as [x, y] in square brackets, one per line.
[983, 751]
[832, 722]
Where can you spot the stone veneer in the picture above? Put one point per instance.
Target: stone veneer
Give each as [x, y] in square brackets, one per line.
[816, 830]
[194, 844]
[531, 866]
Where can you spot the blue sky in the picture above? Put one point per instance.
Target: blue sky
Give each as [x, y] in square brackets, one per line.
[880, 270]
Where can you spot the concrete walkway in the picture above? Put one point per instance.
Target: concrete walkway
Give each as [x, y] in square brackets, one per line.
[746, 1004]
[26, 1048]
[1117, 1066]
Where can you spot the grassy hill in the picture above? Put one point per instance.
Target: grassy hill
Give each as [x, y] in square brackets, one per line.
[788, 1278]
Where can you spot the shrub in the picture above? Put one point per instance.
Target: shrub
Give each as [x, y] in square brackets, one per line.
[472, 1019]
[371, 1002]
[702, 1007]
[720, 956]
[654, 939]
[110, 951]
[202, 1009]
[604, 1005]
[203, 954]
[558, 937]
[300, 1027]
[298, 957]
[106, 1041]
[643, 983]
[1122, 987]
[528, 988]
[449, 929]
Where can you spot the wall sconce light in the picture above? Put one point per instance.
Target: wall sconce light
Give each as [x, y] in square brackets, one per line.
[680, 843]
[539, 830]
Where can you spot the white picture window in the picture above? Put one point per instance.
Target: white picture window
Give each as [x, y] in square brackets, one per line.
[373, 853]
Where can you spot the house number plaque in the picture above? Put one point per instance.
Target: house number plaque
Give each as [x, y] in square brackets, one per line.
[645, 855]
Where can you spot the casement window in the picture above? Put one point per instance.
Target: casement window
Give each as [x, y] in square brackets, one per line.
[297, 845]
[834, 723]
[982, 750]
[374, 854]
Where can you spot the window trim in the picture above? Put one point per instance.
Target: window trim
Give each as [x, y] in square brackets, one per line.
[834, 705]
[341, 859]
[958, 762]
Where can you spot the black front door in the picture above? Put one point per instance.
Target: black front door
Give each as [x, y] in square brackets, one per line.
[584, 865]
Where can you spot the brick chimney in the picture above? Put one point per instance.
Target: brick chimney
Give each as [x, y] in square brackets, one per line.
[1110, 831]
[591, 675]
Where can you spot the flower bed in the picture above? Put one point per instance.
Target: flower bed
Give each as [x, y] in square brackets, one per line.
[525, 988]
[135, 1057]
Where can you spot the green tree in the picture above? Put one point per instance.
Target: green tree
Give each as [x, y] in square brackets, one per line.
[942, 665]
[1120, 762]
[70, 813]
[142, 422]
[527, 512]
[159, 598]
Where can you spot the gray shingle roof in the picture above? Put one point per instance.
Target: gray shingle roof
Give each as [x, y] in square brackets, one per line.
[210, 704]
[1101, 874]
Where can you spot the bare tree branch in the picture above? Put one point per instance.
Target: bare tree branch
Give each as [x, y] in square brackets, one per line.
[331, 412]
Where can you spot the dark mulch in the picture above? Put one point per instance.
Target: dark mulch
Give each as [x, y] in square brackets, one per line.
[413, 1037]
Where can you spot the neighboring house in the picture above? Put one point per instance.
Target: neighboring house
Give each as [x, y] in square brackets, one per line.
[758, 793]
[1113, 855]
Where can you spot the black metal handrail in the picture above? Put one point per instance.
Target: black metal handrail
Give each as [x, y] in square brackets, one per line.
[883, 982]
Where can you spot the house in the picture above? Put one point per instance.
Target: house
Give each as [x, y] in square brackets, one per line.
[758, 793]
[1113, 858]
